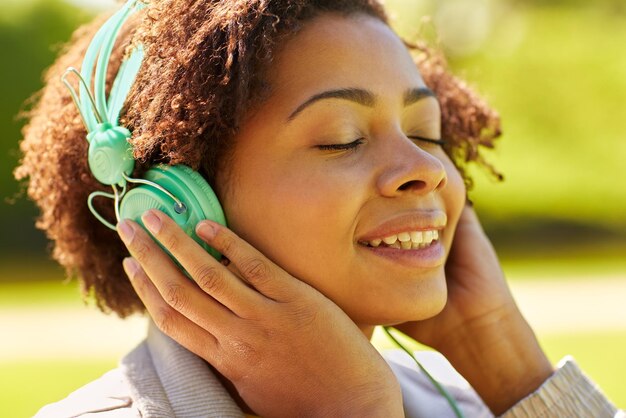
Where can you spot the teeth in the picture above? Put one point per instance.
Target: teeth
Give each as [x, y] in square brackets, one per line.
[390, 239]
[416, 236]
[407, 240]
[404, 237]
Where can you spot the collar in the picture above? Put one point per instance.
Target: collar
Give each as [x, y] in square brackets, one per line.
[167, 380]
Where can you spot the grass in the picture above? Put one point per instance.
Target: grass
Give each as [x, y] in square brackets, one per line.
[26, 386]
[42, 282]
[48, 293]
[600, 355]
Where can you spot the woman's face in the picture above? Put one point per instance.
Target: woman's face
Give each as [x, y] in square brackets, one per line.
[324, 170]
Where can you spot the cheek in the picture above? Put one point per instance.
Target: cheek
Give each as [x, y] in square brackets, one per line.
[454, 196]
[297, 220]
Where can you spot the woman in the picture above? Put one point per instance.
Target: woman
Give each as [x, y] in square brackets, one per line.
[338, 171]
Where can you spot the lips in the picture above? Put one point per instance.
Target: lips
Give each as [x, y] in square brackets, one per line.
[411, 239]
[424, 221]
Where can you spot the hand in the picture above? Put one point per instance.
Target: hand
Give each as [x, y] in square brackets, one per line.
[481, 331]
[288, 350]
[477, 290]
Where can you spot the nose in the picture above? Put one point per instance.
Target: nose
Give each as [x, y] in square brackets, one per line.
[410, 169]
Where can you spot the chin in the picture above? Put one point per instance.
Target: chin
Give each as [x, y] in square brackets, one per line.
[430, 307]
[422, 302]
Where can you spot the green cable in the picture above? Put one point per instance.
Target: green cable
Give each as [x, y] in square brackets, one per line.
[437, 385]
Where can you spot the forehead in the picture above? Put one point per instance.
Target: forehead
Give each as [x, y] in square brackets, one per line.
[333, 51]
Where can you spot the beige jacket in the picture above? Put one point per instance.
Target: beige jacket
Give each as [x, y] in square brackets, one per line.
[160, 378]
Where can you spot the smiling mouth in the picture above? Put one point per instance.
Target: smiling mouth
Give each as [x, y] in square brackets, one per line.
[412, 240]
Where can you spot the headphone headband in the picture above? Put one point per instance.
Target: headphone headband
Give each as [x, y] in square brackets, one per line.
[176, 190]
[98, 56]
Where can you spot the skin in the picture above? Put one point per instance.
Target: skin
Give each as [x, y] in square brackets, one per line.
[389, 175]
[298, 211]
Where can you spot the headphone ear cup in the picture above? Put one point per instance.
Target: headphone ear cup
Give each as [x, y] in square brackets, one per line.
[188, 186]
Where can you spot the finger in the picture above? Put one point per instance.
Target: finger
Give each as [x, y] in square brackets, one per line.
[254, 267]
[210, 275]
[175, 289]
[167, 319]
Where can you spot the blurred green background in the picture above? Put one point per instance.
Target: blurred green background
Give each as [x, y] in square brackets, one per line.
[556, 72]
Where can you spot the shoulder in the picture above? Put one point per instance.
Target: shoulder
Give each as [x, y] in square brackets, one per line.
[108, 396]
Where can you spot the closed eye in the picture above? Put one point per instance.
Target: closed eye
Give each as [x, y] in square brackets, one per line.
[440, 142]
[342, 147]
[354, 144]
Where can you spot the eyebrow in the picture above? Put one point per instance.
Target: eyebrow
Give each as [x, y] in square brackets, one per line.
[360, 96]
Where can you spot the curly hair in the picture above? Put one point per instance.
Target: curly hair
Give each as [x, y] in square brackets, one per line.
[203, 70]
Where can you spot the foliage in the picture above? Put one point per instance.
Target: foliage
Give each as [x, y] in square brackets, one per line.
[560, 92]
[31, 34]
[555, 72]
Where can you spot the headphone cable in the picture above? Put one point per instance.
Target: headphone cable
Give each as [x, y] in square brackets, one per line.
[436, 384]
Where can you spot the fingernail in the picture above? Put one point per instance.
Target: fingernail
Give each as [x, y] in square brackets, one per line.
[205, 230]
[126, 231]
[131, 266]
[151, 221]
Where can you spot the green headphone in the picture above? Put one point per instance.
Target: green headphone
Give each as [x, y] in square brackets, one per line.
[178, 191]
